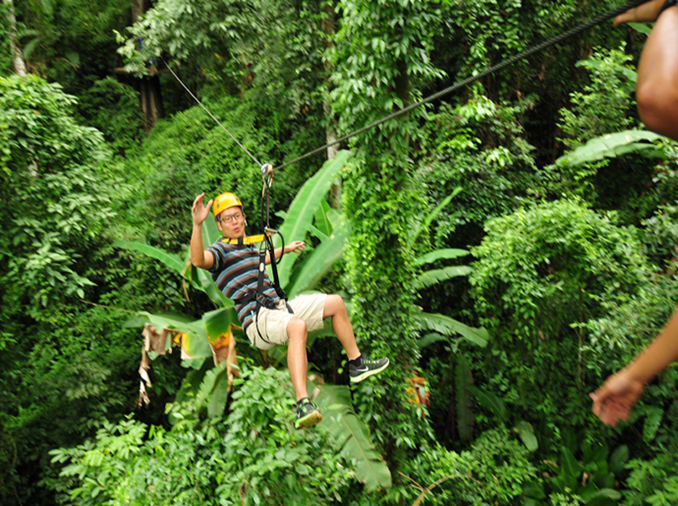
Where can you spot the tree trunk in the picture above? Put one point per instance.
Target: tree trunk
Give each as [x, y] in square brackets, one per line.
[149, 87]
[17, 56]
[329, 29]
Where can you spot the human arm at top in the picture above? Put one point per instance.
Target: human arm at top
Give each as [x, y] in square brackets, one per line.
[614, 400]
[199, 256]
[644, 12]
[296, 246]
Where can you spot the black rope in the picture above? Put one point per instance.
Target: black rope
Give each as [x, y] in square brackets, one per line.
[528, 52]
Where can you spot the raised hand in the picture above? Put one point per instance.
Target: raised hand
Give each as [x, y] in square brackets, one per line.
[644, 12]
[200, 212]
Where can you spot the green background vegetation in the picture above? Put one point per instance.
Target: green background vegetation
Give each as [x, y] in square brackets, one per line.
[497, 244]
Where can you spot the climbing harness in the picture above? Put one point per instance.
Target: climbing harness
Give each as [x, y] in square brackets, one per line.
[266, 247]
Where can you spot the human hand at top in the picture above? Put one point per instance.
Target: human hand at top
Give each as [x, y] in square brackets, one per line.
[296, 246]
[614, 400]
[200, 212]
[644, 12]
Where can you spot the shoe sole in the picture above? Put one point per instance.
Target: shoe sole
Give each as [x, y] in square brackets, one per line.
[367, 374]
[309, 420]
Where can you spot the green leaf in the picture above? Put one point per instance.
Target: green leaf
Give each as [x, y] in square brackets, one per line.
[448, 327]
[429, 339]
[322, 220]
[440, 254]
[619, 459]
[303, 208]
[609, 146]
[210, 231]
[169, 259]
[526, 433]
[433, 214]
[569, 465]
[340, 419]
[219, 322]
[436, 276]
[319, 262]
[600, 495]
[652, 422]
[645, 28]
[196, 343]
[491, 402]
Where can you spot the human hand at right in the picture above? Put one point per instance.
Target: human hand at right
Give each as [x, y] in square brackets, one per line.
[614, 400]
[644, 12]
[200, 212]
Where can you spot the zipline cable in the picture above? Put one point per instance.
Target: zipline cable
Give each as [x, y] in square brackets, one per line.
[211, 115]
[528, 52]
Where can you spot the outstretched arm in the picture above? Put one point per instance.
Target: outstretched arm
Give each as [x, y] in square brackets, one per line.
[614, 400]
[200, 257]
[296, 246]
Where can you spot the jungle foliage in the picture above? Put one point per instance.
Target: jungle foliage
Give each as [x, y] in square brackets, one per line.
[507, 247]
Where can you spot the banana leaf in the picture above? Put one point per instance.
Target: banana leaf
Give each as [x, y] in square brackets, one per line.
[433, 214]
[611, 146]
[340, 419]
[199, 278]
[322, 220]
[195, 343]
[303, 208]
[169, 259]
[319, 262]
[436, 276]
[448, 327]
[438, 254]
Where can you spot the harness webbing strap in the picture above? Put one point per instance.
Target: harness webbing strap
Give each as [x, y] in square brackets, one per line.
[244, 241]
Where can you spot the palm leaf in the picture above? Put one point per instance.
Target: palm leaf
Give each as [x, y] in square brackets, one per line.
[303, 208]
[439, 254]
[429, 219]
[340, 419]
[435, 276]
[316, 264]
[611, 146]
[448, 327]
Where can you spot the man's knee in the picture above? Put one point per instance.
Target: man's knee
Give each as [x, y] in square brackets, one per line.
[296, 329]
[334, 305]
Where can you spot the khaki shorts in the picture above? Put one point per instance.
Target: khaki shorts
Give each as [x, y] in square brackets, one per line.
[273, 322]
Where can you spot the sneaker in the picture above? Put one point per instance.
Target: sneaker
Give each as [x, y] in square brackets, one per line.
[368, 368]
[307, 414]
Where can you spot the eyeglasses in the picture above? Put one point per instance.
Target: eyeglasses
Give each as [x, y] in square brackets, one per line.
[227, 218]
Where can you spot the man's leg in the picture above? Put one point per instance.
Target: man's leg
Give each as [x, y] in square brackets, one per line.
[359, 367]
[657, 87]
[297, 361]
[335, 307]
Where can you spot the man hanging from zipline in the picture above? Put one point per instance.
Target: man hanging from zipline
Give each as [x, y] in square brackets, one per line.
[234, 265]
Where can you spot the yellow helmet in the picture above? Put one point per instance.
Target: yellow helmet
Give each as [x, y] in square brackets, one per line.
[224, 201]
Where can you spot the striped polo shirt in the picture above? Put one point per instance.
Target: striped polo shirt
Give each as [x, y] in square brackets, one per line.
[235, 272]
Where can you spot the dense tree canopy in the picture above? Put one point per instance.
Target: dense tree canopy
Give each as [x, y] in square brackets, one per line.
[508, 247]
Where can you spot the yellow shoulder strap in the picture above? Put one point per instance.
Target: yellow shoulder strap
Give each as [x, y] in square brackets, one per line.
[244, 241]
